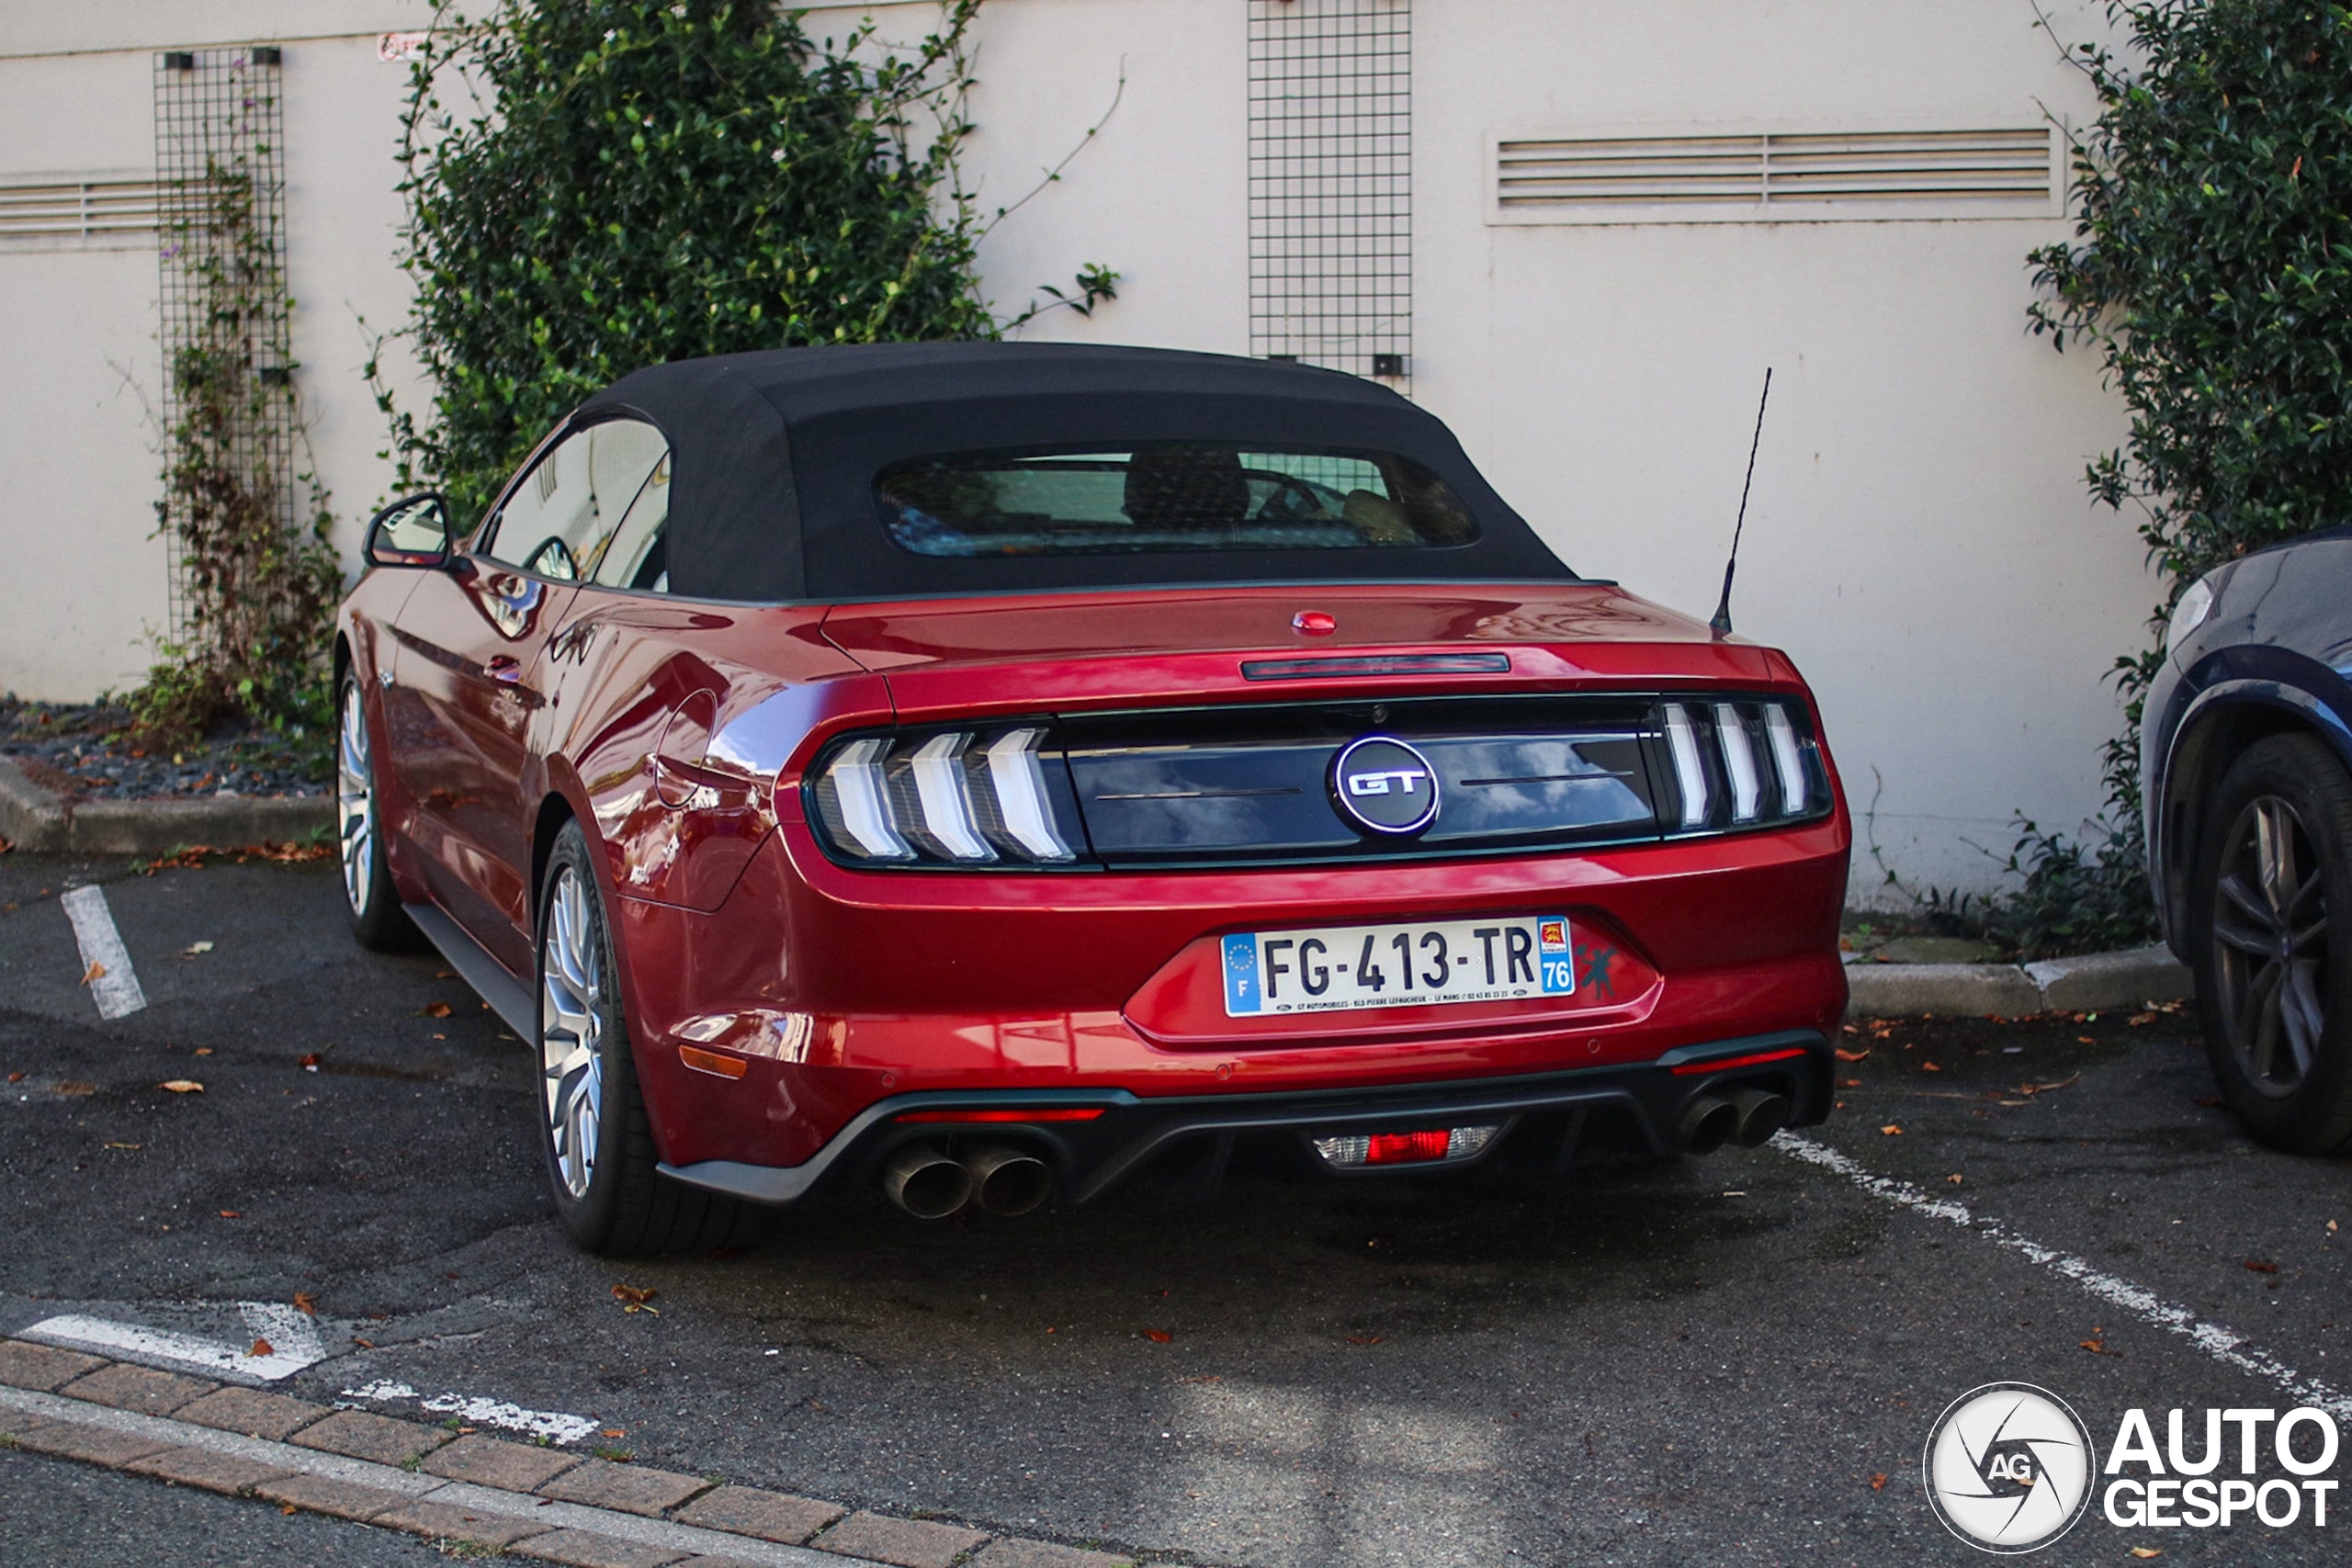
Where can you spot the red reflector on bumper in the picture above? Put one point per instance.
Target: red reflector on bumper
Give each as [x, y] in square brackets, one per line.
[1406, 1149]
[1719, 1064]
[1048, 1113]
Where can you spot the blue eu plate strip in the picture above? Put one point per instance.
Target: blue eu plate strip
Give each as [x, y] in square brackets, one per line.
[1242, 993]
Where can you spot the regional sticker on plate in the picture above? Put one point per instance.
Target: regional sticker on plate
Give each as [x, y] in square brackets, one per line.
[1341, 967]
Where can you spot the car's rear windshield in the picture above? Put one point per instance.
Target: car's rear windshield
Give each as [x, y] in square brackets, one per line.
[1166, 498]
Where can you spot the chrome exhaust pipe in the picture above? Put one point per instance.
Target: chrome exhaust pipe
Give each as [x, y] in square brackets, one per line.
[1010, 1182]
[926, 1182]
[1762, 1112]
[1707, 1124]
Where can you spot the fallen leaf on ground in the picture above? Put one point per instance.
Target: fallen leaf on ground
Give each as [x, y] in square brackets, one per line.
[613, 1432]
[2095, 1346]
[1929, 1067]
[2147, 1552]
[126, 1145]
[437, 1010]
[2030, 1088]
[1878, 1482]
[15, 1077]
[634, 1297]
[1853, 1056]
[2085, 1040]
[1353, 1338]
[262, 1348]
[94, 973]
[196, 947]
[363, 1344]
[306, 1303]
[2261, 1267]
[231, 1215]
[204, 1050]
[1158, 1336]
[308, 1059]
[1891, 1130]
[2137, 1020]
[79, 1090]
[181, 1086]
[1953, 1179]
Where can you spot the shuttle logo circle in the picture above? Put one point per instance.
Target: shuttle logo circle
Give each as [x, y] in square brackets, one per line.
[1383, 786]
[2010, 1468]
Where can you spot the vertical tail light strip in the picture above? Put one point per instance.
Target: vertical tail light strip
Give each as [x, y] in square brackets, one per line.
[938, 767]
[1787, 761]
[1740, 760]
[1690, 775]
[1019, 787]
[856, 775]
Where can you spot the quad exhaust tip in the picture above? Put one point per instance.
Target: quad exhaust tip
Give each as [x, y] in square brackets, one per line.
[1748, 1117]
[1762, 1112]
[931, 1184]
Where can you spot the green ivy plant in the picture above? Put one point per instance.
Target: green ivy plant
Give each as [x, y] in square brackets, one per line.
[2211, 273]
[598, 185]
[260, 594]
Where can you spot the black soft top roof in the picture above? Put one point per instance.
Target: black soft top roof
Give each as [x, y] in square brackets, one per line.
[775, 454]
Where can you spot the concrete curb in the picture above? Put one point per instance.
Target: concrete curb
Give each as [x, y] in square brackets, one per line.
[2013, 990]
[587, 1513]
[33, 819]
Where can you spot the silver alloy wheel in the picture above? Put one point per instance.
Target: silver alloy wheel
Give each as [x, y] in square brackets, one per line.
[572, 1026]
[2270, 945]
[354, 801]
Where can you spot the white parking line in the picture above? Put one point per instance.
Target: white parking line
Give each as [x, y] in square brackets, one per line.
[553, 1424]
[2223, 1345]
[293, 1341]
[114, 984]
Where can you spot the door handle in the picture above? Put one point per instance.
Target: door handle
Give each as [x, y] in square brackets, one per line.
[503, 667]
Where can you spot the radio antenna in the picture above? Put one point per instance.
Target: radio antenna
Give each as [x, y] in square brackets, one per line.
[1721, 624]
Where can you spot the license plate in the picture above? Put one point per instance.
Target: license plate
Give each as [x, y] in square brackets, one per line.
[1339, 968]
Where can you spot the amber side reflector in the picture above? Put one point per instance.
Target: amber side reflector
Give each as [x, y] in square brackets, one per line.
[703, 1061]
[1046, 1113]
[1720, 1064]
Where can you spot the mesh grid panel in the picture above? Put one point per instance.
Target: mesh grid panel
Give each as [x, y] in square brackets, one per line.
[219, 170]
[1331, 184]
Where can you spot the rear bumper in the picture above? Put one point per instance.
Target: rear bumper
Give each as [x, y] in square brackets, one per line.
[1543, 1118]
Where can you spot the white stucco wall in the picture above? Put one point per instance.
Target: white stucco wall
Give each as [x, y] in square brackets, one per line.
[1920, 538]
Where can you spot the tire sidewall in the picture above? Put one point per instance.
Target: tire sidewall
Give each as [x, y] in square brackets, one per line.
[380, 923]
[2317, 1115]
[592, 1218]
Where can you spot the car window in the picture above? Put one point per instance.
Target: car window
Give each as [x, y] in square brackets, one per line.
[637, 555]
[560, 521]
[1171, 497]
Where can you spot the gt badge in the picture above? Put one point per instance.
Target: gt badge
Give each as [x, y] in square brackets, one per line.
[1383, 786]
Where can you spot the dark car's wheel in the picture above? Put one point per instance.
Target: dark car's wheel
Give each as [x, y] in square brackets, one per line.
[593, 1126]
[376, 917]
[2274, 973]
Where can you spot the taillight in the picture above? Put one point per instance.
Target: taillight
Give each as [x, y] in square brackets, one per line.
[951, 797]
[1423, 1148]
[1739, 763]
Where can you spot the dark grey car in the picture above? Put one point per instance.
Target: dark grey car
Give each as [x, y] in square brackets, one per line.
[2246, 757]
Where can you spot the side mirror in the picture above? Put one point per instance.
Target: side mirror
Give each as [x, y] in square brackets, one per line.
[412, 531]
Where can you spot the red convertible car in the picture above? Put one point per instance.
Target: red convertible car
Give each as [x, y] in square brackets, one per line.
[983, 770]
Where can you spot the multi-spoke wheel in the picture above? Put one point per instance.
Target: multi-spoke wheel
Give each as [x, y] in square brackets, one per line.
[376, 917]
[593, 1124]
[2273, 971]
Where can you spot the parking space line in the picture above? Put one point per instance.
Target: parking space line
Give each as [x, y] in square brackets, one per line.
[2223, 1345]
[558, 1427]
[293, 1343]
[115, 985]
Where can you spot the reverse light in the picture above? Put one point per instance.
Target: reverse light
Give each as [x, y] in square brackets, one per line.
[1424, 1147]
[1741, 763]
[967, 798]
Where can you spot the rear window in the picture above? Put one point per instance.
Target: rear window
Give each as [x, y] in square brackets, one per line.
[1165, 498]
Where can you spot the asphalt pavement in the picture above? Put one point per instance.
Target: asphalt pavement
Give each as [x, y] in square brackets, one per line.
[1734, 1358]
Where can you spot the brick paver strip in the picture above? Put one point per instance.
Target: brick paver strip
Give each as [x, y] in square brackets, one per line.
[377, 1437]
[322, 1495]
[144, 1389]
[252, 1413]
[771, 1515]
[441, 1522]
[202, 1467]
[908, 1543]
[488, 1461]
[92, 1444]
[24, 1364]
[583, 1549]
[632, 1489]
[1014, 1552]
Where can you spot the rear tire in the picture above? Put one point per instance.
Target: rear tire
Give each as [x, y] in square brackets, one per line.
[2271, 933]
[376, 917]
[592, 1128]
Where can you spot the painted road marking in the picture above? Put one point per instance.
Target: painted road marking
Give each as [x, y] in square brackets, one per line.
[553, 1424]
[115, 988]
[292, 1337]
[2223, 1345]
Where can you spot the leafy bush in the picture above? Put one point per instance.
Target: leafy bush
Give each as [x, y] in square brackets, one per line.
[599, 184]
[2211, 271]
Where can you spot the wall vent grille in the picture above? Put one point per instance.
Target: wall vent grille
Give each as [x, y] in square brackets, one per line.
[1778, 175]
[46, 212]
